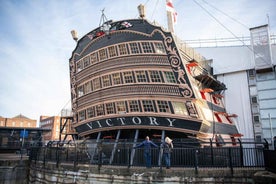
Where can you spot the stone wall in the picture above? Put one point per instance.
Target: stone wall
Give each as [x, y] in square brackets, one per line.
[81, 174]
[14, 171]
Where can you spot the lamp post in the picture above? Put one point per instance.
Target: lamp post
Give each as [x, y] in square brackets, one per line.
[74, 34]
[142, 11]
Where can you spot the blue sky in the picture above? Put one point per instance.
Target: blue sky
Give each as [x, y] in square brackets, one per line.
[36, 43]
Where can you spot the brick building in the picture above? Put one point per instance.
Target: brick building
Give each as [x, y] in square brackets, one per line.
[19, 121]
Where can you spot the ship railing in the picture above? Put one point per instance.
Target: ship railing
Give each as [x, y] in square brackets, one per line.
[104, 153]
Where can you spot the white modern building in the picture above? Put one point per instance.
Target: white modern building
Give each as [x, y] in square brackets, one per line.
[247, 67]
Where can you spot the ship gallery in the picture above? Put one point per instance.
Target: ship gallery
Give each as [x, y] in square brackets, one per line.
[131, 79]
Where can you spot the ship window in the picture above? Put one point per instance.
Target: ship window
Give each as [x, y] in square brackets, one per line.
[96, 84]
[94, 58]
[254, 100]
[106, 81]
[128, 77]
[87, 87]
[121, 107]
[116, 77]
[80, 91]
[86, 62]
[100, 110]
[148, 106]
[134, 48]
[163, 106]
[110, 108]
[170, 78]
[155, 76]
[180, 108]
[112, 51]
[122, 49]
[159, 48]
[102, 54]
[146, 47]
[91, 112]
[141, 76]
[256, 118]
[134, 106]
[79, 66]
[82, 115]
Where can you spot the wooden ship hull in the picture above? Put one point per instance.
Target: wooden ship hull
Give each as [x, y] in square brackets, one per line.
[131, 79]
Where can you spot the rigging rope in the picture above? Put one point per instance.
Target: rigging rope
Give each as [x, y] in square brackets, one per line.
[157, 1]
[251, 49]
[235, 20]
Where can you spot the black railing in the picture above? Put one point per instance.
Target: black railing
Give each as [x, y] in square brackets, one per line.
[123, 154]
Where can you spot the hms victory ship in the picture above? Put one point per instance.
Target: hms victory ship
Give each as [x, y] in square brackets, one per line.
[131, 79]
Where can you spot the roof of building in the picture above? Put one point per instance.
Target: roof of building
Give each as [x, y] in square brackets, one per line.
[21, 116]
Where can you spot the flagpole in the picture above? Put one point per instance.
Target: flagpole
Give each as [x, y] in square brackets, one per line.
[171, 15]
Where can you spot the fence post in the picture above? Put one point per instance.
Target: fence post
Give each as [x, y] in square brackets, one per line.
[100, 148]
[57, 155]
[241, 152]
[212, 152]
[44, 156]
[160, 158]
[196, 161]
[129, 157]
[230, 161]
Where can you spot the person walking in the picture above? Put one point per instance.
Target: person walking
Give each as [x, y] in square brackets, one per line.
[147, 144]
[167, 147]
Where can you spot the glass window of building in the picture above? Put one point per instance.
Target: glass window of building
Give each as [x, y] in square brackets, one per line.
[134, 48]
[102, 54]
[112, 51]
[80, 91]
[94, 58]
[128, 77]
[159, 48]
[169, 77]
[96, 83]
[116, 78]
[121, 107]
[141, 76]
[134, 106]
[100, 110]
[122, 49]
[106, 81]
[148, 105]
[82, 115]
[79, 66]
[91, 112]
[163, 106]
[87, 87]
[146, 46]
[110, 108]
[180, 108]
[155, 76]
[86, 61]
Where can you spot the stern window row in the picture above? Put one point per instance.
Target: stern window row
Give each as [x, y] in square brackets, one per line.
[134, 106]
[126, 77]
[120, 50]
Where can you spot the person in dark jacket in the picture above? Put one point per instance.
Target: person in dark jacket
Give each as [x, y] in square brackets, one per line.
[167, 147]
[147, 144]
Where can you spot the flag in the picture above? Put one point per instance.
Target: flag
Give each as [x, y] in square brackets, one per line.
[90, 36]
[170, 8]
[125, 25]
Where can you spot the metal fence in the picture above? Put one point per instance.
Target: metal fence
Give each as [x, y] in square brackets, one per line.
[123, 154]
